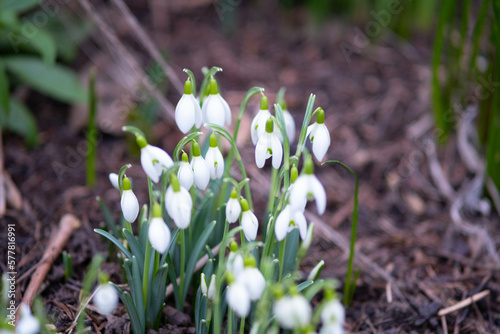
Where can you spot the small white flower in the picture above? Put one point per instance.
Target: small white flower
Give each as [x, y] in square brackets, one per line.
[314, 274]
[289, 219]
[258, 126]
[254, 282]
[233, 208]
[178, 203]
[268, 145]
[201, 172]
[129, 202]
[106, 299]
[238, 299]
[153, 159]
[215, 109]
[305, 186]
[248, 221]
[203, 284]
[214, 159]
[113, 178]
[185, 173]
[235, 264]
[159, 235]
[188, 111]
[293, 312]
[289, 125]
[332, 316]
[211, 288]
[27, 324]
[319, 135]
[308, 239]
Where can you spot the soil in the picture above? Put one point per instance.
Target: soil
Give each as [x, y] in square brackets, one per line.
[413, 259]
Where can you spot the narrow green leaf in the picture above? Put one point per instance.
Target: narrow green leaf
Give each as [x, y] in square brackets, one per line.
[138, 296]
[132, 312]
[4, 90]
[173, 280]
[18, 5]
[21, 121]
[304, 285]
[107, 217]
[115, 241]
[158, 287]
[183, 142]
[135, 248]
[92, 131]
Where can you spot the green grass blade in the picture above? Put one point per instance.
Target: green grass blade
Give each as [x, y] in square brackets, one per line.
[91, 130]
[115, 241]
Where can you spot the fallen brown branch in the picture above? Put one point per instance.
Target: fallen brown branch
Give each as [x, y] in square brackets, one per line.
[464, 303]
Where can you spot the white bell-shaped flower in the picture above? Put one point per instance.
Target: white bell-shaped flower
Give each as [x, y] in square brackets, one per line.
[178, 203]
[129, 202]
[106, 299]
[203, 284]
[332, 317]
[293, 312]
[238, 298]
[254, 282]
[289, 125]
[188, 111]
[248, 221]
[158, 233]
[215, 109]
[268, 145]
[153, 159]
[319, 135]
[27, 324]
[214, 159]
[235, 264]
[287, 220]
[185, 172]
[233, 207]
[258, 126]
[201, 173]
[314, 274]
[306, 186]
[113, 178]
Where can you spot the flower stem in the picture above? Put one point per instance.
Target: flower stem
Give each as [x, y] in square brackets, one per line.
[145, 276]
[183, 260]
[282, 257]
[242, 325]
[230, 321]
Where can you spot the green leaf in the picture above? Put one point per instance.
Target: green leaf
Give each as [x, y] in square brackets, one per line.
[20, 120]
[183, 142]
[304, 285]
[107, 216]
[138, 296]
[4, 90]
[159, 287]
[131, 310]
[115, 241]
[135, 248]
[18, 5]
[41, 41]
[56, 81]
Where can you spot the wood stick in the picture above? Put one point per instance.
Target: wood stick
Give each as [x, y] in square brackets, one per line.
[67, 225]
[464, 303]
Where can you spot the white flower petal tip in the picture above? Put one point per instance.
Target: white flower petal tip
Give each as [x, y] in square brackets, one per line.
[185, 175]
[293, 312]
[113, 178]
[250, 225]
[289, 219]
[130, 206]
[201, 172]
[289, 125]
[154, 160]
[332, 317]
[233, 210]
[203, 285]
[215, 162]
[211, 288]
[319, 135]
[188, 113]
[238, 299]
[179, 205]
[235, 264]
[254, 282]
[159, 235]
[216, 110]
[314, 274]
[106, 299]
[268, 145]
[308, 184]
[27, 324]
[258, 126]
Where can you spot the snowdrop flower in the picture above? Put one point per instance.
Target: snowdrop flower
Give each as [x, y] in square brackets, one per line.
[203, 284]
[238, 298]
[289, 124]
[258, 126]
[319, 135]
[235, 264]
[268, 145]
[185, 172]
[178, 203]
[306, 186]
[293, 312]
[188, 111]
[248, 221]
[233, 207]
[153, 159]
[106, 299]
[215, 109]
[289, 219]
[332, 316]
[129, 202]
[201, 172]
[294, 174]
[214, 159]
[113, 178]
[314, 274]
[28, 324]
[208, 291]
[158, 232]
[253, 280]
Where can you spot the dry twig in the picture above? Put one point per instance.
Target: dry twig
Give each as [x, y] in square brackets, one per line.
[464, 303]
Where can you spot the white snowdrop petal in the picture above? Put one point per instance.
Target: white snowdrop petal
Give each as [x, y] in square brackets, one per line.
[185, 175]
[106, 299]
[168, 200]
[113, 178]
[185, 113]
[27, 324]
[161, 156]
[311, 130]
[258, 125]
[211, 288]
[298, 195]
[282, 222]
[213, 110]
[293, 312]
[159, 235]
[332, 317]
[289, 125]
[227, 109]
[313, 275]
[301, 223]
[130, 205]
[203, 284]
[250, 225]
[235, 264]
[215, 162]
[233, 210]
[254, 282]
[261, 153]
[181, 208]
[316, 188]
[321, 142]
[277, 150]
[148, 166]
[200, 172]
[238, 299]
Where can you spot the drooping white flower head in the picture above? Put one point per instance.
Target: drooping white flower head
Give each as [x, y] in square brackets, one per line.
[188, 111]
[27, 324]
[203, 284]
[158, 233]
[268, 145]
[106, 299]
[258, 126]
[319, 135]
[308, 239]
[153, 159]
[233, 207]
[185, 173]
[289, 124]
[238, 298]
[289, 219]
[332, 316]
[235, 264]
[129, 202]
[314, 274]
[307, 185]
[211, 288]
[178, 203]
[292, 312]
[254, 282]
[113, 178]
[215, 109]
[248, 221]
[214, 159]
[201, 173]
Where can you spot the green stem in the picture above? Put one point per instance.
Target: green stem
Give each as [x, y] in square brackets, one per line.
[145, 276]
[91, 131]
[151, 198]
[272, 195]
[305, 124]
[282, 257]
[230, 321]
[183, 260]
[242, 326]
